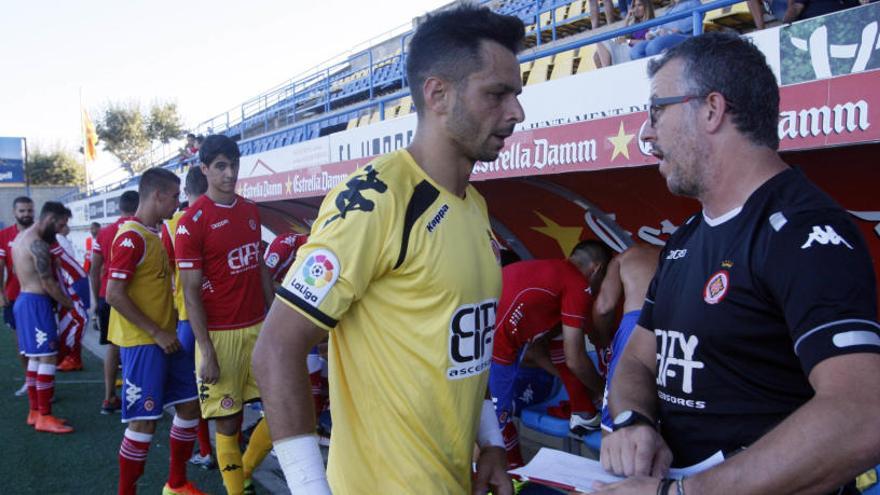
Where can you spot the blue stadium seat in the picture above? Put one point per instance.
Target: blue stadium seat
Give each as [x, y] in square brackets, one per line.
[593, 441]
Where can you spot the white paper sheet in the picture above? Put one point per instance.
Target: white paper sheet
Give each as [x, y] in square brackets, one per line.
[564, 470]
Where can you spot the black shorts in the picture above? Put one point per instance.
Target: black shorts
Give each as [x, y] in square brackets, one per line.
[103, 311]
[9, 316]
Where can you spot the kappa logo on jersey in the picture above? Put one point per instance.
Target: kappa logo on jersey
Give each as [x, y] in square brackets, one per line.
[471, 332]
[272, 260]
[352, 198]
[217, 225]
[438, 217]
[41, 337]
[675, 359]
[181, 230]
[243, 257]
[132, 393]
[825, 237]
[290, 240]
[716, 288]
[677, 254]
[313, 281]
[127, 243]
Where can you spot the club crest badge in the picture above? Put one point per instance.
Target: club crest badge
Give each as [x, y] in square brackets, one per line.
[716, 288]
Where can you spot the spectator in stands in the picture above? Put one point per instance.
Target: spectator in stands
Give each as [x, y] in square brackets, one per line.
[666, 36]
[191, 148]
[617, 50]
[609, 12]
[806, 9]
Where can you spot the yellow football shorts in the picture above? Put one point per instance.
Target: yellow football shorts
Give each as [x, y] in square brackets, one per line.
[237, 384]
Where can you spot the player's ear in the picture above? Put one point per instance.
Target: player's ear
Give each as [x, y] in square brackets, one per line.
[437, 95]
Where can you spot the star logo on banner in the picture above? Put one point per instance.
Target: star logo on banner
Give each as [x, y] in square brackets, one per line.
[288, 186]
[621, 143]
[566, 237]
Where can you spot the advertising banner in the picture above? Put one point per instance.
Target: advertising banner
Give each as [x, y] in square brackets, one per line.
[11, 160]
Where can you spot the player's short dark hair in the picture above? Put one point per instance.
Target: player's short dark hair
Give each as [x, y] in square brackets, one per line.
[216, 145]
[191, 135]
[196, 182]
[128, 202]
[53, 208]
[447, 44]
[736, 68]
[68, 212]
[595, 250]
[96, 224]
[157, 179]
[22, 199]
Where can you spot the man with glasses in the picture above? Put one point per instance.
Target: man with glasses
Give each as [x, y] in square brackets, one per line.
[759, 333]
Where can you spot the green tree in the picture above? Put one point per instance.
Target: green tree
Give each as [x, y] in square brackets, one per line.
[54, 168]
[127, 132]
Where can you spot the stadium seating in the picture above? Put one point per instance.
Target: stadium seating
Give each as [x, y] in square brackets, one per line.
[536, 418]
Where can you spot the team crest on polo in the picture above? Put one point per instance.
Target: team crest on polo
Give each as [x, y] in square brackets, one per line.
[716, 288]
[315, 277]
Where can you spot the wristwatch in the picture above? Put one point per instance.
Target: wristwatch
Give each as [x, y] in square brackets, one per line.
[630, 418]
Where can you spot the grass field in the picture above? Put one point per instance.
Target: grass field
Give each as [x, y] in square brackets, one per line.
[83, 462]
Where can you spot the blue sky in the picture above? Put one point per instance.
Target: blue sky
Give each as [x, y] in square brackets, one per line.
[207, 57]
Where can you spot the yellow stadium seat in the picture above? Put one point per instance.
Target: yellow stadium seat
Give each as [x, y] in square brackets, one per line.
[736, 16]
[576, 8]
[404, 106]
[353, 123]
[563, 64]
[374, 117]
[540, 70]
[587, 63]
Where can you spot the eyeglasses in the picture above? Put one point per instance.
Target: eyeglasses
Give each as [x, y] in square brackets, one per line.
[658, 104]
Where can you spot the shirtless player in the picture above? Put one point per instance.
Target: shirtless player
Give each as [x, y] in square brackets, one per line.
[35, 315]
[628, 276]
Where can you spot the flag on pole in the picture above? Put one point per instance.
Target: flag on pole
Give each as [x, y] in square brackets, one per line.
[90, 138]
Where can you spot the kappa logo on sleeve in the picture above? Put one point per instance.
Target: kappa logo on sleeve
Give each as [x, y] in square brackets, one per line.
[315, 277]
[181, 230]
[824, 237]
[127, 243]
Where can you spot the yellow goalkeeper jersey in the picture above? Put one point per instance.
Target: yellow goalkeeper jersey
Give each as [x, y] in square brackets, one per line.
[406, 276]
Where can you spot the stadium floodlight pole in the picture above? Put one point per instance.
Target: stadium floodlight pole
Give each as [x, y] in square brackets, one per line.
[25, 168]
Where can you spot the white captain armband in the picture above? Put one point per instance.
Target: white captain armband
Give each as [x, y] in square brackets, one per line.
[300, 459]
[489, 434]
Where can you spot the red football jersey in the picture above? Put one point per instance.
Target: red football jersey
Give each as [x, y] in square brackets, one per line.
[102, 245]
[282, 252]
[224, 242]
[69, 269]
[536, 296]
[8, 235]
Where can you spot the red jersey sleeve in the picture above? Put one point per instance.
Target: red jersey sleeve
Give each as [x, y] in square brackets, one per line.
[576, 302]
[128, 251]
[276, 255]
[188, 243]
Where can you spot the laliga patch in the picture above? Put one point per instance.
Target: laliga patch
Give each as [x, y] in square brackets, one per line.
[272, 260]
[313, 280]
[716, 288]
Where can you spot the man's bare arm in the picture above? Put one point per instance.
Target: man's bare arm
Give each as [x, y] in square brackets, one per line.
[267, 283]
[95, 271]
[538, 353]
[3, 301]
[43, 267]
[634, 385]
[610, 294]
[828, 441]
[577, 361]
[279, 364]
[198, 320]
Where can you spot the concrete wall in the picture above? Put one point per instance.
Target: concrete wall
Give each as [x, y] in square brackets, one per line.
[40, 194]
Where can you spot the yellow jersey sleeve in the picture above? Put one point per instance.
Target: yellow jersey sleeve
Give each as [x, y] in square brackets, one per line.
[348, 248]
